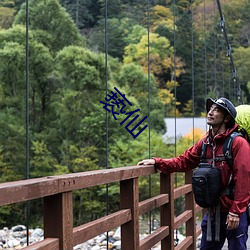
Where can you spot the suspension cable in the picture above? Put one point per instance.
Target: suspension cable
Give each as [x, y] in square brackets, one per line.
[149, 142]
[205, 50]
[175, 95]
[27, 207]
[192, 76]
[229, 53]
[107, 121]
[215, 52]
[174, 75]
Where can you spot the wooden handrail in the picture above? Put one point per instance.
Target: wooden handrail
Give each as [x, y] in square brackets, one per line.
[56, 191]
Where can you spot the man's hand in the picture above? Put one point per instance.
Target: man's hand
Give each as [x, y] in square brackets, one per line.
[146, 162]
[232, 221]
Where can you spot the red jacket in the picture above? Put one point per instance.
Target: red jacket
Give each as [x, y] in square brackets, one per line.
[241, 167]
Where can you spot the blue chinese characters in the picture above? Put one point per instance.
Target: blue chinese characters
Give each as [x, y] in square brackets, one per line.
[113, 101]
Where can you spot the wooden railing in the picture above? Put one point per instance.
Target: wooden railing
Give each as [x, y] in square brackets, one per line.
[59, 232]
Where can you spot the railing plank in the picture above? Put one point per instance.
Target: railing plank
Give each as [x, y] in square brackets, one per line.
[167, 210]
[58, 219]
[152, 203]
[185, 244]
[91, 229]
[46, 244]
[185, 189]
[99, 177]
[24, 190]
[152, 239]
[182, 218]
[190, 205]
[198, 231]
[129, 195]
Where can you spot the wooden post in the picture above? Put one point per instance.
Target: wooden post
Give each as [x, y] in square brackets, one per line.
[129, 197]
[167, 210]
[58, 219]
[190, 205]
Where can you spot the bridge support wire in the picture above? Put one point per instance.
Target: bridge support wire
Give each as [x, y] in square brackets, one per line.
[229, 53]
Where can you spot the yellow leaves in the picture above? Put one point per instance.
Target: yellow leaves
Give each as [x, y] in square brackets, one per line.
[166, 96]
[188, 107]
[203, 114]
[159, 53]
[6, 17]
[189, 139]
[161, 16]
[195, 134]
[179, 69]
[171, 85]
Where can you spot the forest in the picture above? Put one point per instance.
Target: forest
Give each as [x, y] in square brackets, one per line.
[61, 61]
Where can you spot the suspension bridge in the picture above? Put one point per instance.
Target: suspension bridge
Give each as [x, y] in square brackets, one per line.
[56, 192]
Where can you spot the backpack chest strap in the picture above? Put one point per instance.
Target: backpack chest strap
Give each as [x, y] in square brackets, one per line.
[217, 159]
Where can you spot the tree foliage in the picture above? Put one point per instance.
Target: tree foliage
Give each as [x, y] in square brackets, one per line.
[78, 53]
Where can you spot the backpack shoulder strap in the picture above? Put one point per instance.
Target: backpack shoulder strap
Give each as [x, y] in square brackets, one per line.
[227, 148]
[203, 152]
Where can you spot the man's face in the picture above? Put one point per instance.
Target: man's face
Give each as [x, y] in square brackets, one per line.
[215, 116]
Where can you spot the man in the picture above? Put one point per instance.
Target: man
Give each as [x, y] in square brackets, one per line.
[221, 115]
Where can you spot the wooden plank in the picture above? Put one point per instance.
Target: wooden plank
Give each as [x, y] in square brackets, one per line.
[190, 205]
[198, 209]
[185, 244]
[46, 244]
[154, 238]
[24, 190]
[152, 203]
[167, 210]
[178, 192]
[58, 219]
[129, 196]
[100, 177]
[182, 218]
[198, 231]
[90, 230]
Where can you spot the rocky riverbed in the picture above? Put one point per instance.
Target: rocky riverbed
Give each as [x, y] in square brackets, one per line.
[16, 238]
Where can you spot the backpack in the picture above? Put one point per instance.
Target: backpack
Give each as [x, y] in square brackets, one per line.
[206, 179]
[206, 185]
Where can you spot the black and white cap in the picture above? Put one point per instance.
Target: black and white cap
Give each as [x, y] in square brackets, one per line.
[223, 103]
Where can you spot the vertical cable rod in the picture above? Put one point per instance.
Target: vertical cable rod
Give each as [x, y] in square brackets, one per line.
[174, 73]
[215, 54]
[192, 77]
[175, 95]
[106, 82]
[27, 207]
[236, 83]
[205, 50]
[77, 13]
[149, 142]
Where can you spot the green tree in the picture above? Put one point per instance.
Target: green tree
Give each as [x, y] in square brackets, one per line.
[117, 31]
[161, 57]
[6, 17]
[242, 64]
[53, 25]
[84, 13]
[136, 83]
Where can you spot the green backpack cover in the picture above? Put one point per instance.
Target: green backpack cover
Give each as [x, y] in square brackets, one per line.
[243, 119]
